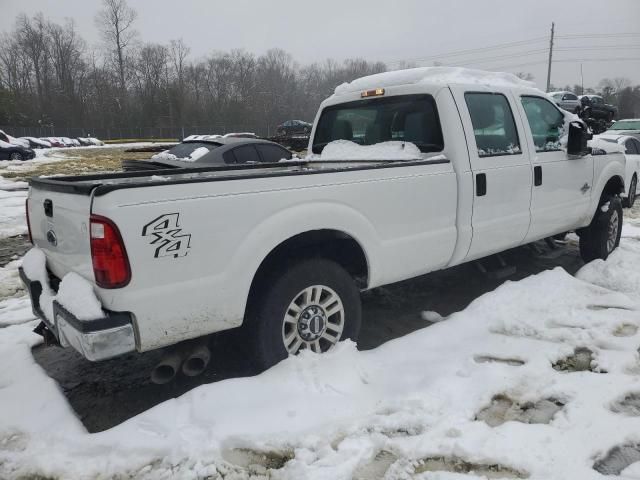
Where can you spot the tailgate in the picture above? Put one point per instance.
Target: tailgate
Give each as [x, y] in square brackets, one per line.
[59, 226]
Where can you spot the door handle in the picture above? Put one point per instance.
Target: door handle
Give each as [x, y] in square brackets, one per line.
[537, 175]
[481, 184]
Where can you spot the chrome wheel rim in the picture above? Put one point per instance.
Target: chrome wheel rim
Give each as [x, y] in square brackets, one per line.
[614, 221]
[314, 320]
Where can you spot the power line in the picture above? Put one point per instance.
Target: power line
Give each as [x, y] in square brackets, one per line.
[599, 35]
[470, 51]
[499, 57]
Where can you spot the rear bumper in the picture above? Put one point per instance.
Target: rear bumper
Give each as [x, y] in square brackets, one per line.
[97, 339]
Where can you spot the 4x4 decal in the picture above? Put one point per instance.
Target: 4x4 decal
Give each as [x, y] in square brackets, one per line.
[167, 237]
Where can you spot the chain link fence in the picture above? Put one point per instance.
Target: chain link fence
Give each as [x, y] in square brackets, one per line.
[119, 133]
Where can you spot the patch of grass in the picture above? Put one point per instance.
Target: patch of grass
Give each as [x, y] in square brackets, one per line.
[81, 161]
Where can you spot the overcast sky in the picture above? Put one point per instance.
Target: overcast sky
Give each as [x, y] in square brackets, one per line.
[388, 31]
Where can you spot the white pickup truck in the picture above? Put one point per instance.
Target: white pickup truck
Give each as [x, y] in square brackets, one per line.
[283, 250]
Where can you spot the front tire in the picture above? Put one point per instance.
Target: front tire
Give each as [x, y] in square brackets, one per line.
[602, 236]
[16, 156]
[309, 306]
[631, 196]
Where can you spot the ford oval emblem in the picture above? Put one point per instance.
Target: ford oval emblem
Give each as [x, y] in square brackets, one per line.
[51, 238]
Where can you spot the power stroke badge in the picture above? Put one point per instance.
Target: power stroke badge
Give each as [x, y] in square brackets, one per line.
[167, 237]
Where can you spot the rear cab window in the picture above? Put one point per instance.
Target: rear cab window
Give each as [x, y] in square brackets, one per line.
[406, 118]
[494, 127]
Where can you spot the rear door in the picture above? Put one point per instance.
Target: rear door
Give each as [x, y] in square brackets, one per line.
[561, 194]
[501, 170]
[60, 227]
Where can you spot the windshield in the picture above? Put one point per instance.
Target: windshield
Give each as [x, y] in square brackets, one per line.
[410, 118]
[626, 125]
[184, 150]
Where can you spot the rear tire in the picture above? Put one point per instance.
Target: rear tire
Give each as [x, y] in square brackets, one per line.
[631, 195]
[602, 236]
[16, 156]
[282, 319]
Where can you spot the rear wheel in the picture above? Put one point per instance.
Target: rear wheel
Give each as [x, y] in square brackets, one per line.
[602, 237]
[16, 156]
[310, 306]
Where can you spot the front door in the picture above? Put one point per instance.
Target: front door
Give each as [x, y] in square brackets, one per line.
[561, 195]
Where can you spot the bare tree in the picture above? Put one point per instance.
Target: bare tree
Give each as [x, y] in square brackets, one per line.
[115, 22]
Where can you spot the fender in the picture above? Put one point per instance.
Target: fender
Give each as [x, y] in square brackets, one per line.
[615, 167]
[292, 221]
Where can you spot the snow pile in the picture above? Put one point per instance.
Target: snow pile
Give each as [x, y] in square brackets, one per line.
[347, 150]
[74, 293]
[196, 154]
[164, 156]
[411, 405]
[434, 75]
[13, 220]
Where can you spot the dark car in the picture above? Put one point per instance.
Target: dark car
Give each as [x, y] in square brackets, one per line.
[222, 151]
[593, 106]
[293, 127]
[9, 151]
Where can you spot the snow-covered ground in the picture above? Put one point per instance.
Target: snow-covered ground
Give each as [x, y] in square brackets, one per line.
[538, 379]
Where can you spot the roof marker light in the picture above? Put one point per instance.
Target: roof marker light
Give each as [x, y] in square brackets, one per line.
[372, 93]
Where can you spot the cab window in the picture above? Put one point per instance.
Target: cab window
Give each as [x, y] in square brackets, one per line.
[493, 124]
[546, 123]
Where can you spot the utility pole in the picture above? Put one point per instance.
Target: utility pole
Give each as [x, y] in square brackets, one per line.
[550, 56]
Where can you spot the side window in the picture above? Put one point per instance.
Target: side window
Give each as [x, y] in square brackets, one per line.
[229, 157]
[246, 154]
[630, 147]
[570, 96]
[273, 153]
[545, 121]
[637, 142]
[493, 124]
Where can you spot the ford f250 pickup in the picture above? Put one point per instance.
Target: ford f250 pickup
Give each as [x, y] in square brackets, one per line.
[282, 251]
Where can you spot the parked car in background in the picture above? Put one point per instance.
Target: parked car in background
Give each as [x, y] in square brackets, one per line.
[631, 147]
[629, 126]
[10, 151]
[5, 137]
[595, 107]
[36, 142]
[54, 141]
[222, 151]
[67, 142]
[567, 101]
[293, 127]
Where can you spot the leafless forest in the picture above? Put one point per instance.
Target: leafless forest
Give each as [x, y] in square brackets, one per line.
[51, 78]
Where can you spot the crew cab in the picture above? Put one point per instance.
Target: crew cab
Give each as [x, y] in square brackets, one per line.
[282, 251]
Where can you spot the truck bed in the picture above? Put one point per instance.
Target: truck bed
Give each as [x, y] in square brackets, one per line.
[105, 183]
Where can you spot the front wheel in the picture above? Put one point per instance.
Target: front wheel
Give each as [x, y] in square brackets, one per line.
[16, 156]
[311, 305]
[602, 237]
[631, 196]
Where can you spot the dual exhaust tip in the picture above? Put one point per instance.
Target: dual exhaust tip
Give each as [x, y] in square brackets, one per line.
[191, 361]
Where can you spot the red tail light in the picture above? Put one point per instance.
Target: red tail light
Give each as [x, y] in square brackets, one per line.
[110, 262]
[26, 207]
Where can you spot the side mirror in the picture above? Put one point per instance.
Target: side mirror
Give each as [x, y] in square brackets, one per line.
[577, 141]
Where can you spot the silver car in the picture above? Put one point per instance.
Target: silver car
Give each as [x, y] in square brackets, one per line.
[629, 126]
[567, 101]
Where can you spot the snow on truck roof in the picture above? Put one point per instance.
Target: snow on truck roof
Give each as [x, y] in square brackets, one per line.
[434, 76]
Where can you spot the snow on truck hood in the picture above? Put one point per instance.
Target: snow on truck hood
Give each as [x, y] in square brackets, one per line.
[434, 75]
